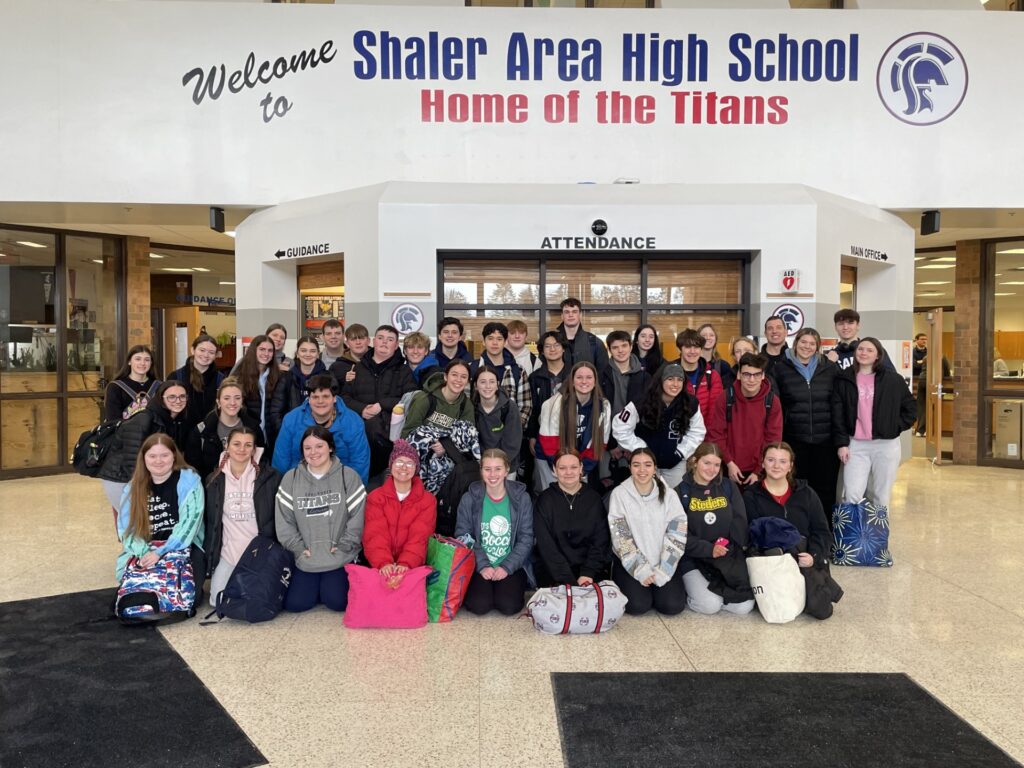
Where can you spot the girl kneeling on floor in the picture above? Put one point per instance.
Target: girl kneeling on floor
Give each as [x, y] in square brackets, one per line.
[648, 530]
[714, 568]
[161, 510]
[400, 517]
[498, 514]
[320, 521]
[240, 505]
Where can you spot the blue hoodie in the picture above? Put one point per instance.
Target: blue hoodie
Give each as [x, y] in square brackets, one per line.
[350, 444]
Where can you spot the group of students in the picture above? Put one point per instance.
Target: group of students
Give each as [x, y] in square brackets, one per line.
[617, 462]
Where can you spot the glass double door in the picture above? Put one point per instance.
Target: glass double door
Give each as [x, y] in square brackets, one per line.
[59, 342]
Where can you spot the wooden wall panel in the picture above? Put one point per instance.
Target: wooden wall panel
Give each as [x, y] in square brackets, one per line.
[29, 430]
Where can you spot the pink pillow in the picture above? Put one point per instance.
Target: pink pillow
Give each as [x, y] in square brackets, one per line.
[372, 604]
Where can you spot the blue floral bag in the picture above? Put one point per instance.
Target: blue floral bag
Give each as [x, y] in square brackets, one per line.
[860, 535]
[164, 593]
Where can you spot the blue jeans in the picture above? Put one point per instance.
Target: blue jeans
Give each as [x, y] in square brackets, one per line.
[308, 589]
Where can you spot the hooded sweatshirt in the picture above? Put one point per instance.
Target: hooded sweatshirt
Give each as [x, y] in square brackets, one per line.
[752, 426]
[321, 515]
[512, 379]
[620, 388]
[501, 428]
[438, 412]
[648, 534]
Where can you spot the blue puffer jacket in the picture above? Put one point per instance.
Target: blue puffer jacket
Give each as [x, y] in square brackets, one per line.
[350, 443]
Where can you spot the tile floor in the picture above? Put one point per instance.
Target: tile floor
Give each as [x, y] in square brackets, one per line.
[477, 693]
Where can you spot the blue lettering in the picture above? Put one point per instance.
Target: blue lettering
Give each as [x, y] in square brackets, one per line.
[360, 40]
[740, 71]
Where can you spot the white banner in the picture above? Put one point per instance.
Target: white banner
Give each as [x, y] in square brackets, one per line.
[253, 104]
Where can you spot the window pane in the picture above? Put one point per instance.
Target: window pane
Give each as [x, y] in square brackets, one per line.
[29, 432]
[669, 324]
[93, 264]
[694, 282]
[28, 335]
[615, 282]
[1007, 359]
[475, 320]
[491, 282]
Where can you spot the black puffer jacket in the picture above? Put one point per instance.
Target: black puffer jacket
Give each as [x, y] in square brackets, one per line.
[893, 410]
[802, 509]
[264, 491]
[288, 395]
[806, 406]
[203, 446]
[383, 383]
[199, 403]
[542, 387]
[120, 461]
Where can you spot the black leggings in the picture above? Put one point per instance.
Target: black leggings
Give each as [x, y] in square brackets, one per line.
[507, 595]
[668, 599]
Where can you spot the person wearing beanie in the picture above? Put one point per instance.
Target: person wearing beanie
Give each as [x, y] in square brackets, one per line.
[667, 420]
[400, 517]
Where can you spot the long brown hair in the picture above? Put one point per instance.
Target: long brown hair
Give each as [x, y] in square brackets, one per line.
[142, 483]
[195, 377]
[125, 369]
[248, 372]
[570, 409]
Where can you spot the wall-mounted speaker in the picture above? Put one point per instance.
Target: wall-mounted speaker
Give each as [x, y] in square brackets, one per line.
[216, 219]
[929, 222]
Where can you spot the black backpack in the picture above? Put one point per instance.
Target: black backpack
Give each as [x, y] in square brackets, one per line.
[730, 396]
[256, 588]
[92, 448]
[465, 473]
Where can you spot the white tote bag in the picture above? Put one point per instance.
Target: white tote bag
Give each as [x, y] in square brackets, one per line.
[778, 586]
[573, 610]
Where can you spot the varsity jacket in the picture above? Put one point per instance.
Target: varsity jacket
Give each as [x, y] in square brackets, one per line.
[669, 447]
[548, 431]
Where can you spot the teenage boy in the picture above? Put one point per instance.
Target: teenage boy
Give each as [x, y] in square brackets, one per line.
[702, 380]
[848, 332]
[516, 344]
[334, 342]
[920, 351]
[357, 338]
[511, 378]
[775, 346]
[422, 363]
[745, 419]
[624, 381]
[380, 378]
[449, 342]
[580, 345]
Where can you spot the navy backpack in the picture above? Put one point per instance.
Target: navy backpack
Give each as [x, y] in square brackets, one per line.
[256, 588]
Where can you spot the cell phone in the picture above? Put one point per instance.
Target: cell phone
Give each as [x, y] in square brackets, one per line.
[722, 542]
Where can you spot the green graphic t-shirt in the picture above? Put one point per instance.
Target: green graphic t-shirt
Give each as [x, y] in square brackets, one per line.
[496, 529]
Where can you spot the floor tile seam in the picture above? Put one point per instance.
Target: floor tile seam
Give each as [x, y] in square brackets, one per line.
[961, 587]
[693, 667]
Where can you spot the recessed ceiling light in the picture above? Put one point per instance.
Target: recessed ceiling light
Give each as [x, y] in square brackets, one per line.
[227, 282]
[30, 244]
[945, 258]
[936, 282]
[157, 256]
[938, 266]
[176, 269]
[1013, 282]
[1004, 294]
[96, 261]
[920, 258]
[930, 293]
[200, 269]
[1012, 250]
[230, 233]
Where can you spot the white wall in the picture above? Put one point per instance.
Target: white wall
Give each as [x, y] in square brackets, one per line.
[95, 109]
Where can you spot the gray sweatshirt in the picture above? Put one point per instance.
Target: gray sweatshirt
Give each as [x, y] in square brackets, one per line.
[321, 515]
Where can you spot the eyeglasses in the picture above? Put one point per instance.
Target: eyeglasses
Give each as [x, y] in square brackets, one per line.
[176, 398]
[752, 376]
[404, 463]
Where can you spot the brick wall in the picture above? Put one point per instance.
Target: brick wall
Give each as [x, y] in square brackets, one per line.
[137, 290]
[966, 354]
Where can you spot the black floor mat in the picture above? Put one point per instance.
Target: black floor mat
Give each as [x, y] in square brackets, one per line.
[79, 691]
[731, 719]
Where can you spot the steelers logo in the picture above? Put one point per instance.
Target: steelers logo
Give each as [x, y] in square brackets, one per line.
[710, 518]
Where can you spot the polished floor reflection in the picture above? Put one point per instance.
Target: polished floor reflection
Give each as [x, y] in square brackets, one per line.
[477, 692]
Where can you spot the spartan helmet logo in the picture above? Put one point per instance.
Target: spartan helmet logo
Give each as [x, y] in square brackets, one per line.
[922, 79]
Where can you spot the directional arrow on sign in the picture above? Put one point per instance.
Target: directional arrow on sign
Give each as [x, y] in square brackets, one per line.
[278, 253]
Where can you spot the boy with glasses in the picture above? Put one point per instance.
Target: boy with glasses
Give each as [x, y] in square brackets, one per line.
[746, 418]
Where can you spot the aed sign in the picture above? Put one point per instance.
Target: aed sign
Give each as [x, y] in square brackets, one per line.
[789, 281]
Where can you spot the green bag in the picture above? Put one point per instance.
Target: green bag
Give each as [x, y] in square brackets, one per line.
[453, 563]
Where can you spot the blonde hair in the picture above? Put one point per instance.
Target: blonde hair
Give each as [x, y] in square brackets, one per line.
[416, 339]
